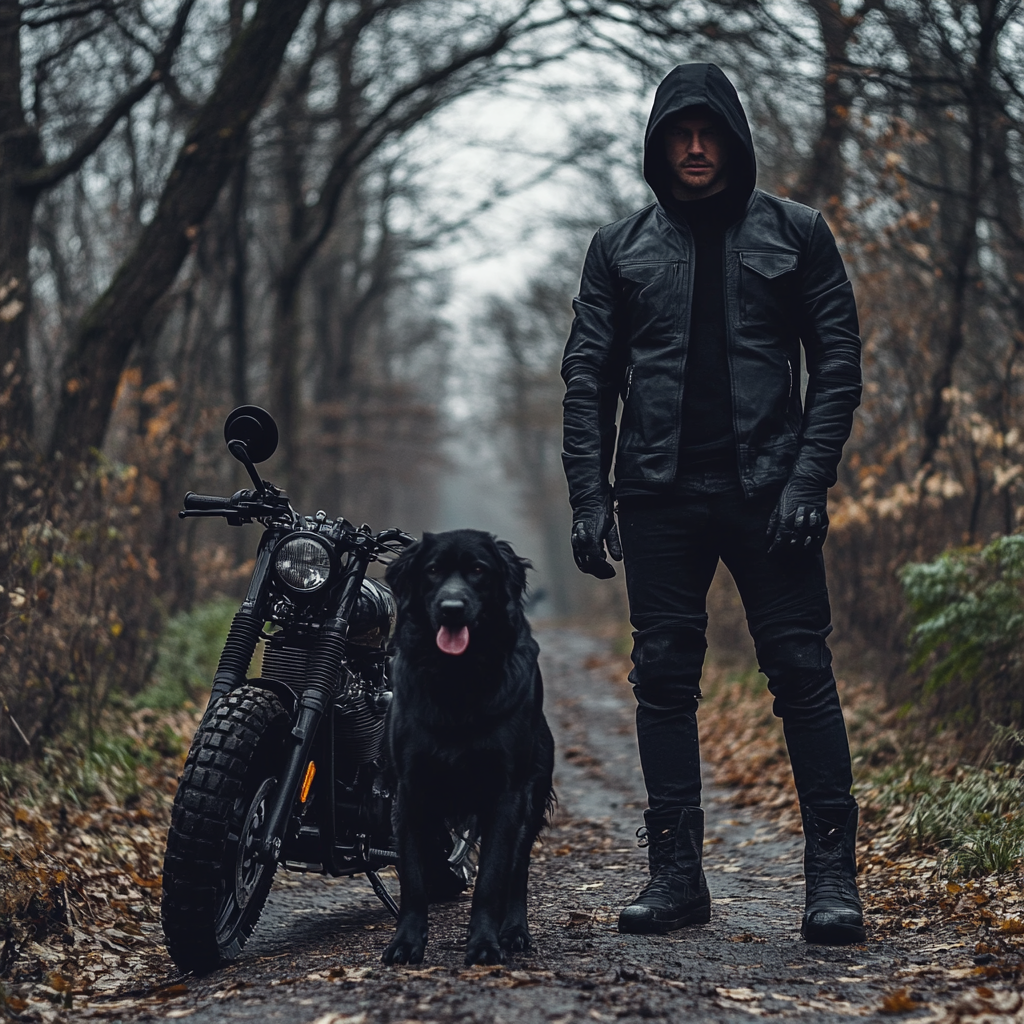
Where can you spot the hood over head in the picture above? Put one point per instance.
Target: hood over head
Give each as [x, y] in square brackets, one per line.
[699, 85]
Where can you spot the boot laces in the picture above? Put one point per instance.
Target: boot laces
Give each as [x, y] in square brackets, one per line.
[832, 885]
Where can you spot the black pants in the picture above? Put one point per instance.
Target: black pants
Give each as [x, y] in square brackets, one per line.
[671, 547]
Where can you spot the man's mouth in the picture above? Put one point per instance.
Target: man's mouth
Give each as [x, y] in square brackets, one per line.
[453, 641]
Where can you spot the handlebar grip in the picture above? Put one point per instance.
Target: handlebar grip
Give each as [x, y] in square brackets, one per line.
[205, 502]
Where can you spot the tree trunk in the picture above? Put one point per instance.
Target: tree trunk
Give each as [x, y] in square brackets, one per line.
[212, 149]
[284, 380]
[825, 175]
[238, 242]
[20, 153]
[936, 419]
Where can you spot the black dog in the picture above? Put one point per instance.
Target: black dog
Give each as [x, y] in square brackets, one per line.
[467, 733]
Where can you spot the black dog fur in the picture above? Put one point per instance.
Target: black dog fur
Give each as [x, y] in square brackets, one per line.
[467, 734]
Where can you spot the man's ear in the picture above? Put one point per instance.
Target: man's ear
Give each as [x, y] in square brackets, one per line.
[515, 572]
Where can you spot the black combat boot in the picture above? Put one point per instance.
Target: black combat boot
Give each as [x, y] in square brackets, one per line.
[677, 893]
[833, 915]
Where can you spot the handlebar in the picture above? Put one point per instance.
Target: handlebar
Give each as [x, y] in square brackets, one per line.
[205, 502]
[245, 506]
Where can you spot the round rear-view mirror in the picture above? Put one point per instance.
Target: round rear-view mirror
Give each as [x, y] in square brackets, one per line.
[254, 426]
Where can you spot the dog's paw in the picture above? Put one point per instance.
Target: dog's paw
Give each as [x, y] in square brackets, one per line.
[516, 939]
[483, 950]
[403, 949]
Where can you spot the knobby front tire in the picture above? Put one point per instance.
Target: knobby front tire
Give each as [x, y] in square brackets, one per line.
[213, 887]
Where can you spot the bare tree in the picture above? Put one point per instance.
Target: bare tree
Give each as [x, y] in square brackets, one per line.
[27, 173]
[211, 150]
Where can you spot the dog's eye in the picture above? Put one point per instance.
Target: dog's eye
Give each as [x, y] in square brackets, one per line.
[477, 571]
[433, 571]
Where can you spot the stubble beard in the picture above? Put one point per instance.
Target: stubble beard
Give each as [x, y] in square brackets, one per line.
[688, 190]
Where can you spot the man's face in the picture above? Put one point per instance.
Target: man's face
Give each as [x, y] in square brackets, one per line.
[697, 152]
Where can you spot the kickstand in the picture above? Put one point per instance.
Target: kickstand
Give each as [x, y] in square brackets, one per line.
[382, 893]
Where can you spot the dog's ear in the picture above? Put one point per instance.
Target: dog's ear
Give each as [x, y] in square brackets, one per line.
[399, 573]
[515, 572]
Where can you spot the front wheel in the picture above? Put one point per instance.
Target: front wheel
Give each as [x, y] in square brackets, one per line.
[214, 887]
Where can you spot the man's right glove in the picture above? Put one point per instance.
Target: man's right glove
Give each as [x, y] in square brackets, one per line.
[593, 529]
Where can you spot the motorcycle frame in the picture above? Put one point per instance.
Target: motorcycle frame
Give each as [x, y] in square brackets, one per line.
[308, 708]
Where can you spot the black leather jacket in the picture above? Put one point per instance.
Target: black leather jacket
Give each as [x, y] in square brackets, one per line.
[785, 285]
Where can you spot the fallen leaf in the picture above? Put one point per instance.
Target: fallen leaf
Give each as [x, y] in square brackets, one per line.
[899, 1002]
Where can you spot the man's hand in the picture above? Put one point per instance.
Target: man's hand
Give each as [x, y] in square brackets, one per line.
[800, 519]
[592, 530]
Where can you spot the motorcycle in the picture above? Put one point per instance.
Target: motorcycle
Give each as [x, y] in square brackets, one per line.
[288, 768]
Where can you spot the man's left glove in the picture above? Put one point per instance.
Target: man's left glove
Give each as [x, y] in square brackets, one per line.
[593, 528]
[800, 519]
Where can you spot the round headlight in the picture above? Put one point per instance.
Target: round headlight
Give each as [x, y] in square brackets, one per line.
[303, 563]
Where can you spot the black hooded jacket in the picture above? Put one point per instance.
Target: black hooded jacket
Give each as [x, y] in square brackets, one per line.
[785, 285]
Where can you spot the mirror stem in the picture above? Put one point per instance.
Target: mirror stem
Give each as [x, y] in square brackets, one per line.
[241, 452]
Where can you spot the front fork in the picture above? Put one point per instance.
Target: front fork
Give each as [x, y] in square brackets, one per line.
[244, 633]
[322, 675]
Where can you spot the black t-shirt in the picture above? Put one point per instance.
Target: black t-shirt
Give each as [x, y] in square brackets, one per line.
[706, 441]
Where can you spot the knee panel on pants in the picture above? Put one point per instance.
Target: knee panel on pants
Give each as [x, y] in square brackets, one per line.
[798, 651]
[667, 664]
[804, 693]
[799, 670]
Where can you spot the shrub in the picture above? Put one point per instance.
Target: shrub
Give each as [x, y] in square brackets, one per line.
[77, 600]
[967, 640]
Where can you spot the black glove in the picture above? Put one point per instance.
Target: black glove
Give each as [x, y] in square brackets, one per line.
[800, 519]
[594, 528]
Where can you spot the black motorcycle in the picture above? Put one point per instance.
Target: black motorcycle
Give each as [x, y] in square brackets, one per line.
[288, 768]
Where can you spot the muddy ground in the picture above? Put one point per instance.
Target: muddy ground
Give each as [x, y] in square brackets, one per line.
[315, 956]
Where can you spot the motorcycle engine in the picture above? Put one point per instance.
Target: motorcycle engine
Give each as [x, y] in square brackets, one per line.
[363, 698]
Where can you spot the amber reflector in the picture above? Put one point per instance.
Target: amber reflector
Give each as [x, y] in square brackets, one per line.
[307, 781]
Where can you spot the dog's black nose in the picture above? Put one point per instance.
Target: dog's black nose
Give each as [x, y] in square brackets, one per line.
[453, 607]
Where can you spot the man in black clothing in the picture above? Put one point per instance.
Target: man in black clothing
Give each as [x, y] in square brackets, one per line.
[694, 311]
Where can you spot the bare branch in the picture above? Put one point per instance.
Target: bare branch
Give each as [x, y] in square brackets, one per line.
[50, 175]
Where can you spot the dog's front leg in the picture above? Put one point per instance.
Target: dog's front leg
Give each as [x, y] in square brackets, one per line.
[490, 896]
[413, 833]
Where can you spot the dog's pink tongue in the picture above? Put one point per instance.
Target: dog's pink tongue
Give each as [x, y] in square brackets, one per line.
[453, 641]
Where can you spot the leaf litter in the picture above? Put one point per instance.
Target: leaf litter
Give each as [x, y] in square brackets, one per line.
[80, 882]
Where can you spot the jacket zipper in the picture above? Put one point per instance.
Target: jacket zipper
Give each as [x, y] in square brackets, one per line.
[789, 366]
[691, 257]
[629, 381]
[728, 345]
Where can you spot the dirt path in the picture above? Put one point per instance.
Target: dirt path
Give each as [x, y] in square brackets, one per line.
[316, 954]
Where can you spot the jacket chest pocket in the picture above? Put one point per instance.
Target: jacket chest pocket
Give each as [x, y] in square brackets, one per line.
[765, 285]
[650, 296]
